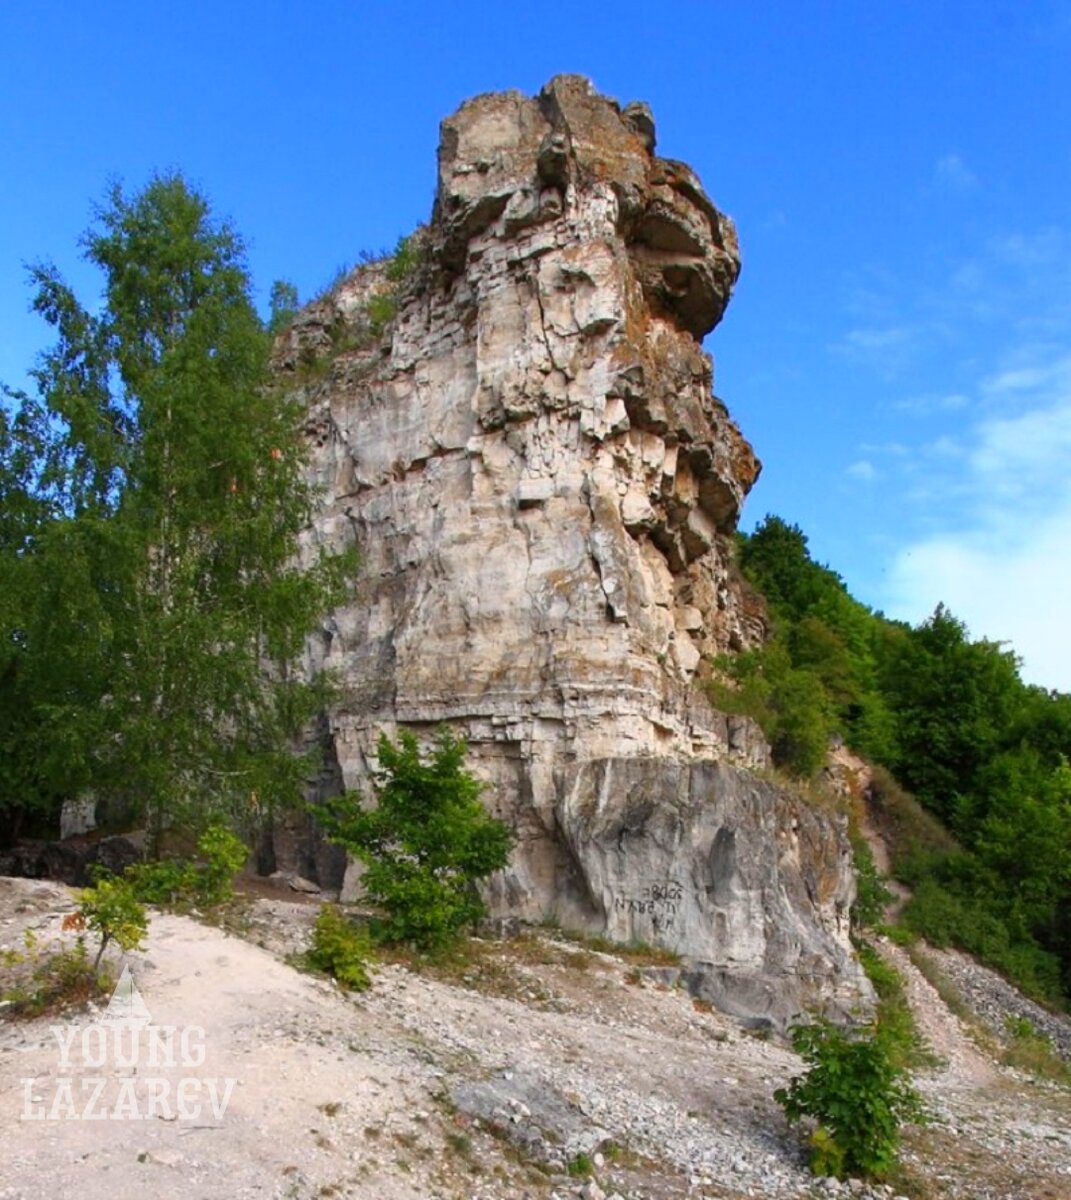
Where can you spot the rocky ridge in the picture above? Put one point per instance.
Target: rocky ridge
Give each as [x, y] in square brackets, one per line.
[544, 490]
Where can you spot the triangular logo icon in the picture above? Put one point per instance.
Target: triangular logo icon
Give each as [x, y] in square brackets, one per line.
[126, 1006]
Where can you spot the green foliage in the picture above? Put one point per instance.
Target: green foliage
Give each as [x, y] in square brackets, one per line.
[153, 602]
[985, 754]
[425, 845]
[857, 1095]
[955, 701]
[341, 949]
[1027, 1049]
[169, 882]
[407, 257]
[284, 305]
[580, 1165]
[872, 897]
[893, 1017]
[44, 977]
[790, 705]
[380, 311]
[949, 909]
[111, 909]
[206, 883]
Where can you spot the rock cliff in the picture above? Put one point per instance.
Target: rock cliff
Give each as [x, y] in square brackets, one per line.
[544, 490]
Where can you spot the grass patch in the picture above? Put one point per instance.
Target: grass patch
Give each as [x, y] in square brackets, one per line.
[893, 1016]
[580, 1166]
[641, 953]
[907, 828]
[1027, 1049]
[49, 978]
[469, 962]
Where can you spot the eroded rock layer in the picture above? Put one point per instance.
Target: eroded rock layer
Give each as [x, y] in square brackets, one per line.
[544, 489]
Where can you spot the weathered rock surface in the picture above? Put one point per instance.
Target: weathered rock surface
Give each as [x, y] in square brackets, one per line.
[544, 490]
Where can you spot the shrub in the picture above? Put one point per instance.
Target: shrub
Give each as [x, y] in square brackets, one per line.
[341, 949]
[49, 977]
[872, 897]
[224, 855]
[407, 256]
[112, 909]
[944, 915]
[580, 1165]
[426, 844]
[180, 882]
[857, 1095]
[381, 308]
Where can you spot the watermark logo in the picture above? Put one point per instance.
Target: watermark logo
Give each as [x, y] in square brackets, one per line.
[122, 1067]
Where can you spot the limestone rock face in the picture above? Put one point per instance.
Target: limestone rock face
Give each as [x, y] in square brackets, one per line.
[544, 489]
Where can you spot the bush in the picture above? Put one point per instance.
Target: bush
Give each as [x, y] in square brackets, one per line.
[44, 976]
[111, 909]
[407, 257]
[224, 855]
[426, 844]
[340, 949]
[951, 914]
[872, 897]
[181, 882]
[857, 1095]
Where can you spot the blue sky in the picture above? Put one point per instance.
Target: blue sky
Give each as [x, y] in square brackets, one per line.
[899, 346]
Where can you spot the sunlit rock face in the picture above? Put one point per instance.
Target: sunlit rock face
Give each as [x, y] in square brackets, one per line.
[544, 489]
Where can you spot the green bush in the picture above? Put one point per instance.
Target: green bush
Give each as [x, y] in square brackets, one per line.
[954, 913]
[340, 949]
[224, 854]
[205, 882]
[111, 909]
[425, 845]
[408, 255]
[381, 308]
[872, 897]
[857, 1095]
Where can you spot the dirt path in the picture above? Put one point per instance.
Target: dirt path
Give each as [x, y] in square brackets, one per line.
[964, 1066]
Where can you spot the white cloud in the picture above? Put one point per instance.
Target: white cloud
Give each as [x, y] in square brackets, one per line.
[1006, 569]
[867, 340]
[953, 175]
[885, 348]
[1004, 591]
[863, 470]
[935, 403]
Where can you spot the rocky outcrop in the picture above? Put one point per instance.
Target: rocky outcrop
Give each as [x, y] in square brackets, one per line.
[544, 489]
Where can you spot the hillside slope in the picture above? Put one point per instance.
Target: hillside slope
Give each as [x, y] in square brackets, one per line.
[481, 1087]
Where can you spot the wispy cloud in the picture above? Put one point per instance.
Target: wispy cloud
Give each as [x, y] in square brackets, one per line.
[951, 174]
[885, 348]
[1014, 591]
[933, 402]
[1002, 562]
[966, 421]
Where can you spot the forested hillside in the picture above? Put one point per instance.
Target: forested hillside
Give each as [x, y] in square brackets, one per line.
[954, 724]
